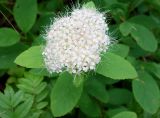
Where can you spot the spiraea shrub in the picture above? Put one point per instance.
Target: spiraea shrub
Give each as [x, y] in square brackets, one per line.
[79, 59]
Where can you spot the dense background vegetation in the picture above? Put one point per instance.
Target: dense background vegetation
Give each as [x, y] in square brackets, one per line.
[126, 85]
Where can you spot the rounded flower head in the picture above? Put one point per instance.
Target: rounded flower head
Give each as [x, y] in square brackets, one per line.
[74, 43]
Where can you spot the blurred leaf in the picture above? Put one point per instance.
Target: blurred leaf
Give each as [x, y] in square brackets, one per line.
[53, 5]
[31, 58]
[146, 92]
[8, 37]
[64, 94]
[98, 90]
[41, 105]
[118, 96]
[125, 114]
[141, 34]
[120, 49]
[40, 26]
[4, 101]
[42, 95]
[78, 80]
[126, 28]
[88, 106]
[115, 67]
[118, 11]
[9, 54]
[149, 22]
[134, 4]
[17, 98]
[25, 12]
[155, 3]
[89, 5]
[38, 41]
[112, 112]
[153, 68]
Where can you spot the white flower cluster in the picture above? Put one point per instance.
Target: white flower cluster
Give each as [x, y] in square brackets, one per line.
[74, 43]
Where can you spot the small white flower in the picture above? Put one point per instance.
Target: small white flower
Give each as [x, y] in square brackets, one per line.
[74, 43]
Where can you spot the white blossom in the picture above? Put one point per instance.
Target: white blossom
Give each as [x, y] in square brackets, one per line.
[75, 42]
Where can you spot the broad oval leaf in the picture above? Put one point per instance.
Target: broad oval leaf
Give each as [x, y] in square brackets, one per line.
[24, 13]
[125, 114]
[120, 49]
[65, 95]
[9, 54]
[149, 21]
[89, 106]
[119, 96]
[115, 67]
[146, 92]
[8, 37]
[31, 58]
[144, 38]
[98, 90]
[125, 28]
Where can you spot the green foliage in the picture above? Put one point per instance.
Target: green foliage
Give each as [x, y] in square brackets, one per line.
[25, 13]
[9, 54]
[125, 114]
[65, 94]
[141, 34]
[97, 90]
[8, 37]
[146, 87]
[120, 49]
[89, 106]
[31, 58]
[125, 84]
[119, 96]
[13, 104]
[89, 5]
[115, 67]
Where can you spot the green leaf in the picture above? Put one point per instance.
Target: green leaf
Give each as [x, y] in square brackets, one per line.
[119, 96]
[8, 37]
[115, 67]
[149, 22]
[78, 80]
[98, 90]
[111, 112]
[9, 54]
[40, 87]
[32, 84]
[65, 95]
[41, 105]
[31, 58]
[24, 13]
[9, 92]
[125, 114]
[89, 5]
[144, 38]
[88, 106]
[153, 68]
[146, 92]
[4, 101]
[23, 109]
[42, 95]
[120, 49]
[125, 28]
[17, 98]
